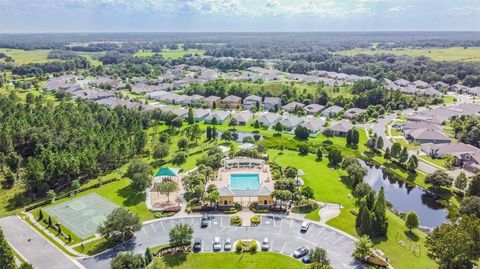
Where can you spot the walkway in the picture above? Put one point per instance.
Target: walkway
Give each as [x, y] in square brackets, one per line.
[328, 211]
[34, 247]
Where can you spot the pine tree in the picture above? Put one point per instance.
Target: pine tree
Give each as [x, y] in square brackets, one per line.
[365, 224]
[403, 155]
[209, 133]
[7, 260]
[379, 142]
[40, 215]
[214, 133]
[49, 221]
[387, 155]
[349, 137]
[379, 210]
[355, 137]
[190, 117]
[370, 200]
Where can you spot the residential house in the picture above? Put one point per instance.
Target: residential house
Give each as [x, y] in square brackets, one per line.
[180, 112]
[340, 128]
[455, 149]
[209, 101]
[242, 118]
[440, 85]
[200, 114]
[293, 106]
[408, 126]
[232, 102]
[291, 122]
[314, 109]
[251, 100]
[353, 112]
[314, 126]
[268, 119]
[421, 84]
[332, 111]
[92, 94]
[220, 116]
[427, 136]
[272, 103]
[402, 82]
[196, 99]
[469, 161]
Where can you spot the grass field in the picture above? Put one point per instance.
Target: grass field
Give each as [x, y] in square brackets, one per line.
[313, 215]
[436, 54]
[40, 56]
[259, 260]
[27, 56]
[328, 187]
[170, 54]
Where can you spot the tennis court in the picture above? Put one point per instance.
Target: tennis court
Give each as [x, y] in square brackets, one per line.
[82, 215]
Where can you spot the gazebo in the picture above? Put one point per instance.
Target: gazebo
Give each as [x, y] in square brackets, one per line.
[169, 173]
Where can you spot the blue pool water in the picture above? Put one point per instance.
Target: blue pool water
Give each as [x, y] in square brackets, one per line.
[244, 181]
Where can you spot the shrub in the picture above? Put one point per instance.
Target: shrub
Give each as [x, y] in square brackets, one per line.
[238, 246]
[235, 220]
[255, 220]
[252, 246]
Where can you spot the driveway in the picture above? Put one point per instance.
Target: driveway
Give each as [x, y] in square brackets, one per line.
[36, 249]
[283, 233]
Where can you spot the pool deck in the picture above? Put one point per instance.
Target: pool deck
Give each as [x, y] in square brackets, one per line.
[264, 175]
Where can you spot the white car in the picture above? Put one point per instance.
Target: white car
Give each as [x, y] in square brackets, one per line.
[265, 244]
[227, 246]
[304, 226]
[217, 245]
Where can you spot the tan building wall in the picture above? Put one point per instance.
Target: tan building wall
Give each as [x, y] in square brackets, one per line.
[231, 105]
[228, 199]
[262, 199]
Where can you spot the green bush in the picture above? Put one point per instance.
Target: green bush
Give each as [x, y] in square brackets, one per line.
[236, 220]
[255, 220]
[238, 246]
[252, 246]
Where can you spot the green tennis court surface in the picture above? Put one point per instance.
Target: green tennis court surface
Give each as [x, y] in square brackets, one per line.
[82, 215]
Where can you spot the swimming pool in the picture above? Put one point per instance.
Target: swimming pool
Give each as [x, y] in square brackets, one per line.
[244, 181]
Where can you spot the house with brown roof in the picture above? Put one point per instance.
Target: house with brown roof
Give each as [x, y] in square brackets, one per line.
[231, 102]
[209, 101]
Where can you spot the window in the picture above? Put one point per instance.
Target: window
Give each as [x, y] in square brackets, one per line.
[264, 202]
[225, 202]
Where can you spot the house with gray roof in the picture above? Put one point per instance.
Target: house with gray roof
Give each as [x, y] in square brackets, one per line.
[340, 128]
[180, 112]
[293, 106]
[200, 114]
[242, 118]
[220, 116]
[413, 125]
[92, 94]
[291, 122]
[430, 91]
[332, 111]
[314, 109]
[251, 100]
[440, 150]
[421, 84]
[353, 112]
[195, 99]
[268, 119]
[427, 136]
[314, 126]
[272, 103]
[402, 82]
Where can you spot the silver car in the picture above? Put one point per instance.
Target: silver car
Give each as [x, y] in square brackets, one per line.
[227, 246]
[217, 245]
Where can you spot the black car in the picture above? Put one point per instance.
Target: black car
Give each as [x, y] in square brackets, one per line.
[306, 259]
[204, 221]
[300, 252]
[197, 244]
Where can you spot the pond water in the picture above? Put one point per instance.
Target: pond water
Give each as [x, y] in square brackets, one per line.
[405, 198]
[241, 135]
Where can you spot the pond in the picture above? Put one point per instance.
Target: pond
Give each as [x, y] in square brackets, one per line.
[405, 198]
[242, 135]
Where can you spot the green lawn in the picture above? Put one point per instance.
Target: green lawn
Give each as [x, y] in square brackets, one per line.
[313, 215]
[405, 143]
[259, 260]
[94, 247]
[327, 186]
[438, 162]
[436, 54]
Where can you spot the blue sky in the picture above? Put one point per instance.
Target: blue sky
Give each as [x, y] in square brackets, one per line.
[237, 15]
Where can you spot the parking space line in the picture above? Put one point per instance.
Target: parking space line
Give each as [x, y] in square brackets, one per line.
[144, 231]
[332, 233]
[163, 226]
[283, 248]
[291, 223]
[281, 222]
[153, 228]
[338, 240]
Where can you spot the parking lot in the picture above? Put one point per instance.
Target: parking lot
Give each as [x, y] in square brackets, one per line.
[283, 233]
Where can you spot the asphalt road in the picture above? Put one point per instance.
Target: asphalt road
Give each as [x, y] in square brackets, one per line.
[36, 249]
[283, 233]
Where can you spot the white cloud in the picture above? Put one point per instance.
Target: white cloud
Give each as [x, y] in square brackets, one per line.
[395, 9]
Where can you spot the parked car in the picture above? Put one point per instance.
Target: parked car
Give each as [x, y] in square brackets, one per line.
[197, 244]
[204, 221]
[217, 245]
[227, 246]
[265, 244]
[300, 252]
[304, 227]
[306, 259]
